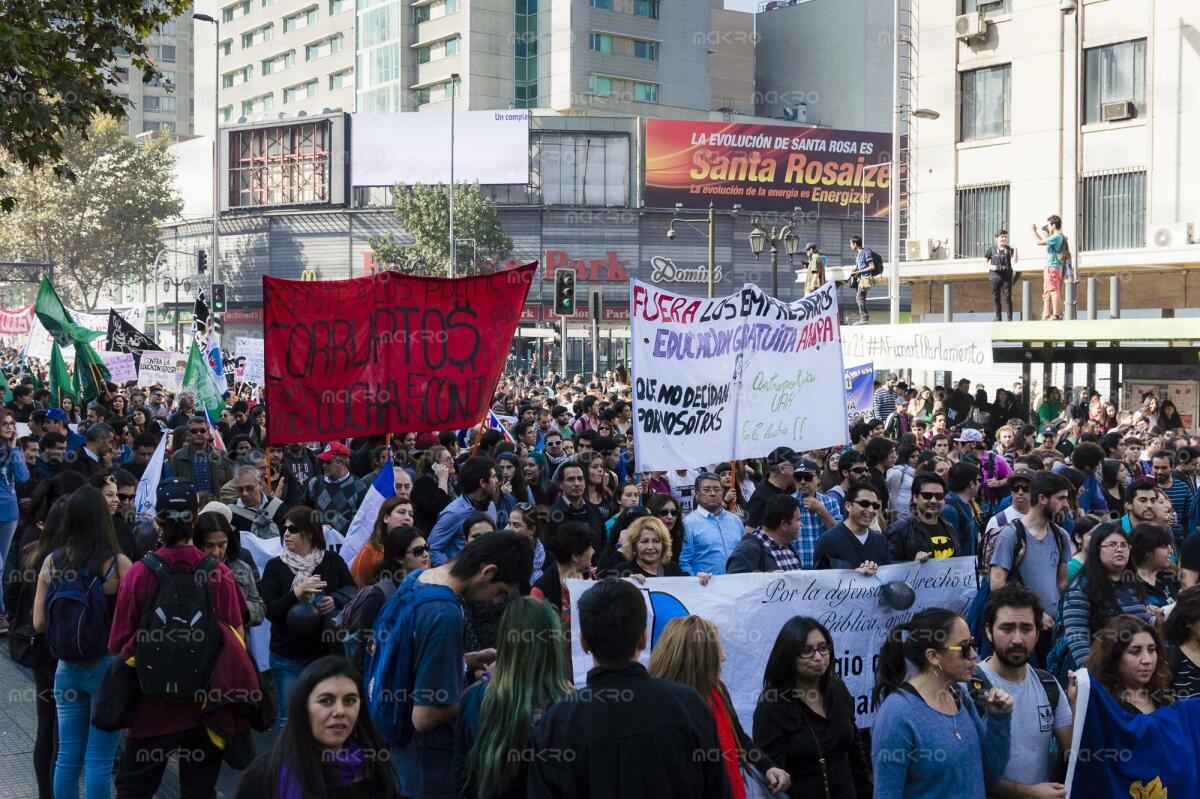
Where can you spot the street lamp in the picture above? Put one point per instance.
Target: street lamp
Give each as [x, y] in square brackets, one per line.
[216, 253]
[453, 252]
[786, 236]
[711, 233]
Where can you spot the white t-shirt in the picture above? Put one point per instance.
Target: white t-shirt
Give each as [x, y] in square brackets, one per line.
[1006, 516]
[1033, 726]
[684, 487]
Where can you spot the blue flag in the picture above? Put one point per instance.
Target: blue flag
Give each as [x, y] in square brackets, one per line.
[1119, 753]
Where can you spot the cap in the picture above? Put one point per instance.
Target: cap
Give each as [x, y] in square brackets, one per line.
[57, 415]
[781, 455]
[1049, 428]
[334, 449]
[177, 499]
[807, 466]
[970, 435]
[425, 441]
[219, 508]
[812, 245]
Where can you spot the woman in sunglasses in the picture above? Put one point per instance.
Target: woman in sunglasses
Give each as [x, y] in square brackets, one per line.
[666, 508]
[946, 748]
[404, 551]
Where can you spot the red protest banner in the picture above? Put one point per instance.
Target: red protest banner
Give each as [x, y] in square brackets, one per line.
[386, 353]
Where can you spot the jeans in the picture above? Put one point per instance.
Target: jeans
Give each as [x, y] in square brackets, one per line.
[80, 745]
[284, 672]
[145, 759]
[861, 298]
[7, 530]
[1002, 286]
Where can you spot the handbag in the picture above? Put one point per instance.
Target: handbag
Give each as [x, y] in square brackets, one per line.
[865, 282]
[755, 783]
[25, 645]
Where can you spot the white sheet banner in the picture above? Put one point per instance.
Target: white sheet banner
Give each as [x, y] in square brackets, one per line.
[734, 377]
[164, 368]
[750, 609]
[120, 366]
[251, 367]
[39, 342]
[957, 347]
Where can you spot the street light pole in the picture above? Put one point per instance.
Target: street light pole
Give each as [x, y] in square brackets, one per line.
[216, 216]
[711, 221]
[894, 178]
[759, 238]
[453, 252]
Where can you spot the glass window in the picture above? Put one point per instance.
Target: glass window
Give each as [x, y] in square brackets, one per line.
[420, 14]
[384, 65]
[337, 6]
[150, 103]
[645, 92]
[149, 126]
[380, 25]
[122, 74]
[422, 96]
[1114, 211]
[304, 90]
[339, 80]
[600, 85]
[600, 42]
[580, 169]
[227, 113]
[985, 106]
[168, 27]
[452, 46]
[604, 4]
[647, 50]
[989, 8]
[982, 211]
[1114, 74]
[227, 47]
[423, 54]
[168, 53]
[167, 104]
[279, 165]
[646, 8]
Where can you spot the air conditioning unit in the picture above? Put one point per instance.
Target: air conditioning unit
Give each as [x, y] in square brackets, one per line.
[1114, 112]
[796, 113]
[1175, 234]
[920, 249]
[969, 26]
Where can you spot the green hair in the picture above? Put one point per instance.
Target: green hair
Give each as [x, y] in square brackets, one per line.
[529, 675]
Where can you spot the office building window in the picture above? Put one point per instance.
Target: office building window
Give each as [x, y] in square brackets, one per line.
[600, 42]
[165, 79]
[167, 28]
[1115, 74]
[258, 105]
[379, 25]
[299, 20]
[301, 92]
[150, 102]
[279, 63]
[122, 74]
[451, 46]
[227, 113]
[258, 36]
[280, 165]
[646, 8]
[338, 6]
[323, 48]
[1114, 211]
[437, 50]
[989, 8]
[645, 92]
[647, 50]
[232, 12]
[525, 92]
[383, 65]
[340, 80]
[600, 85]
[607, 5]
[985, 104]
[423, 95]
[227, 47]
[168, 53]
[982, 210]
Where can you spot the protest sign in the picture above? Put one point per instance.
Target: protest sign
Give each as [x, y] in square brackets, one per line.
[961, 346]
[16, 323]
[860, 390]
[387, 352]
[165, 368]
[250, 368]
[733, 377]
[750, 609]
[120, 365]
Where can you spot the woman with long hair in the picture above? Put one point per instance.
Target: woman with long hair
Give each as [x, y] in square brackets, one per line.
[214, 535]
[404, 551]
[1081, 537]
[433, 489]
[394, 512]
[804, 719]
[1150, 570]
[1114, 476]
[496, 716]
[83, 549]
[120, 406]
[329, 748]
[689, 651]
[899, 480]
[139, 421]
[929, 719]
[68, 406]
[533, 470]
[1182, 633]
[1149, 411]
[667, 508]
[512, 485]
[13, 470]
[735, 498]
[600, 487]
[629, 496]
[1168, 417]
[1128, 659]
[1098, 594]
[921, 408]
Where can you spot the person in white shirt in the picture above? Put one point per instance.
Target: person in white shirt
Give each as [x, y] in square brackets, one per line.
[1018, 484]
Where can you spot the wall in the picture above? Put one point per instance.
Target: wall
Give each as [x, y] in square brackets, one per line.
[731, 62]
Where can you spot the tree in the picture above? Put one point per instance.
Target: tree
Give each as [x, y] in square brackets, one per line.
[100, 229]
[424, 211]
[57, 67]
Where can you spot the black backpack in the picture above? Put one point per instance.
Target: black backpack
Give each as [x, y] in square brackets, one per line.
[876, 264]
[984, 562]
[980, 685]
[178, 640]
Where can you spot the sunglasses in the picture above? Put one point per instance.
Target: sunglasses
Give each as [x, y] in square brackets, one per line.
[931, 495]
[668, 512]
[969, 644]
[523, 506]
[289, 528]
[858, 470]
[865, 503]
[127, 497]
[1019, 489]
[417, 552]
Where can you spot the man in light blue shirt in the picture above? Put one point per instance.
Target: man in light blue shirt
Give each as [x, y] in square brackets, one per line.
[709, 532]
[477, 485]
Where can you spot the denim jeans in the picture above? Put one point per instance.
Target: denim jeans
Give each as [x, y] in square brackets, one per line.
[7, 530]
[284, 672]
[82, 747]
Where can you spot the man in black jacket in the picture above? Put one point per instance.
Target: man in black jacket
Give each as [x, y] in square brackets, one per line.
[780, 480]
[852, 544]
[625, 722]
[571, 506]
[772, 548]
[925, 534]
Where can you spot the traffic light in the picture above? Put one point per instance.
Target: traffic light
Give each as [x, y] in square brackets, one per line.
[218, 298]
[201, 260]
[564, 292]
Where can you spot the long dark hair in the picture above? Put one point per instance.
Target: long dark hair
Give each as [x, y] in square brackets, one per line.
[395, 546]
[779, 676]
[86, 537]
[212, 523]
[907, 643]
[1095, 582]
[297, 752]
[1110, 643]
[47, 495]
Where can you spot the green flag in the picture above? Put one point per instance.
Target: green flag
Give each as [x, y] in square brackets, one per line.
[90, 373]
[58, 320]
[200, 381]
[61, 384]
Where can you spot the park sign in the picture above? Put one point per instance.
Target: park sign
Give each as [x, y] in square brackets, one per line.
[386, 353]
[734, 377]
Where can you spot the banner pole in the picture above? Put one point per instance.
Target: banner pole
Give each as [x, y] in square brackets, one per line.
[478, 433]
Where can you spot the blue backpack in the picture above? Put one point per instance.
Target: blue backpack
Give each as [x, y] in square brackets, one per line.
[390, 669]
[77, 622]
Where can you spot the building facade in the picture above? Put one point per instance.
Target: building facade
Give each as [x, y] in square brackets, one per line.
[166, 104]
[1084, 112]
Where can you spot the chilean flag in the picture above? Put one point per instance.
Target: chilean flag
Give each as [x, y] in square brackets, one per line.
[360, 528]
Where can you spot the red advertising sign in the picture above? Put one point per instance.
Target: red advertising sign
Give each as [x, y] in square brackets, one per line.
[605, 269]
[387, 353]
[766, 167]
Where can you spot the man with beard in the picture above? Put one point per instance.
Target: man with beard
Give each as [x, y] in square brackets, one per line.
[1040, 710]
[1140, 500]
[924, 534]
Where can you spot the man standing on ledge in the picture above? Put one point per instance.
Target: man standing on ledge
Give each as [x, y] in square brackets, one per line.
[1053, 241]
[860, 278]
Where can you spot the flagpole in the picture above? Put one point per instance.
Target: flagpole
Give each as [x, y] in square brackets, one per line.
[478, 433]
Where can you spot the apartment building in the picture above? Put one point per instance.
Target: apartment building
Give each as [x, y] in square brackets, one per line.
[1079, 108]
[284, 56]
[164, 105]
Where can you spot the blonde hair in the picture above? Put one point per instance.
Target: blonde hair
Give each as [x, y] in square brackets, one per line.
[634, 531]
[689, 652]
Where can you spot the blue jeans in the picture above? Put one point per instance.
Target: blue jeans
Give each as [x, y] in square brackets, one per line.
[7, 531]
[82, 747]
[284, 672]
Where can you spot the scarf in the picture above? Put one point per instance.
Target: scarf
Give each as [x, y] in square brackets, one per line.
[729, 745]
[302, 565]
[343, 766]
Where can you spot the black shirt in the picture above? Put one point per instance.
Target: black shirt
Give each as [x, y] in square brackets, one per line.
[1189, 555]
[758, 501]
[1186, 683]
[999, 257]
[838, 548]
[277, 594]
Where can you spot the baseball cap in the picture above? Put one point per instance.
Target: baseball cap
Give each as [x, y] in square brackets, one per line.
[334, 449]
[425, 441]
[807, 466]
[971, 435]
[57, 415]
[177, 499]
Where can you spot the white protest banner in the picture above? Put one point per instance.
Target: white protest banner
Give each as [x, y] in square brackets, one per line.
[253, 368]
[120, 366]
[750, 609]
[734, 377]
[38, 344]
[957, 347]
[164, 368]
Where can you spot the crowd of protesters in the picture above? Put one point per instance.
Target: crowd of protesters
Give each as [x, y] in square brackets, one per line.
[437, 661]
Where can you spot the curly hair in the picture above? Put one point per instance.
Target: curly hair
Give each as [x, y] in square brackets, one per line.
[634, 531]
[1110, 643]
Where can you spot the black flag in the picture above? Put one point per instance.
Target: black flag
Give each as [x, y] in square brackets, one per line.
[124, 337]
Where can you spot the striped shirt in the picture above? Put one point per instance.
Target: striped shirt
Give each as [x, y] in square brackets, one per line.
[1077, 615]
[811, 526]
[883, 404]
[1181, 498]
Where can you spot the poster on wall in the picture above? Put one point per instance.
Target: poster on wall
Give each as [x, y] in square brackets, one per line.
[766, 167]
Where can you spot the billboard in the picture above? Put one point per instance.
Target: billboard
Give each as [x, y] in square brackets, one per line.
[490, 147]
[766, 167]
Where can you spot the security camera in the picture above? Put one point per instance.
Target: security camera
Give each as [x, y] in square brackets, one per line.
[1066, 6]
[671, 234]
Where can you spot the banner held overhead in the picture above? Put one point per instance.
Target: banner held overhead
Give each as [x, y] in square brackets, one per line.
[958, 346]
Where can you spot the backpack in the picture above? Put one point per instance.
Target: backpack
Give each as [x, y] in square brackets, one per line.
[390, 670]
[980, 684]
[77, 620]
[178, 639]
[357, 638]
[876, 264]
[989, 548]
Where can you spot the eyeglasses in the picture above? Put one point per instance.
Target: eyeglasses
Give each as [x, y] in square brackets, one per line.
[969, 644]
[417, 552]
[931, 496]
[1115, 545]
[808, 651]
[866, 503]
[197, 431]
[668, 512]
[1019, 489]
